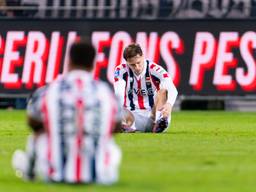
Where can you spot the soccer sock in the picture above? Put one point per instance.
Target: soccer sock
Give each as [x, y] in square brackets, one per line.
[133, 126]
[158, 115]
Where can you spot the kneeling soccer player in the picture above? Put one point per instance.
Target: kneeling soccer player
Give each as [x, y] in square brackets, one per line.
[146, 91]
[72, 127]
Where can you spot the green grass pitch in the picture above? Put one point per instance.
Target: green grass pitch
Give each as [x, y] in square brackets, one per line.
[203, 151]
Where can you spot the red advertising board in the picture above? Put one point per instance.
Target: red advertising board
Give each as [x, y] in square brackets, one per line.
[204, 57]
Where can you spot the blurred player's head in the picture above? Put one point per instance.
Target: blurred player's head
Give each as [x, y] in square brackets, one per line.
[82, 56]
[134, 58]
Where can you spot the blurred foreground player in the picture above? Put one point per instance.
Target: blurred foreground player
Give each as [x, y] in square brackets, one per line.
[72, 121]
[146, 91]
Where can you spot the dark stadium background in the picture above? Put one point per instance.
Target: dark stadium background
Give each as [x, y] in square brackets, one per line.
[185, 17]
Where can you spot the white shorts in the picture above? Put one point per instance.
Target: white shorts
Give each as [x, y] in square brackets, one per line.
[143, 121]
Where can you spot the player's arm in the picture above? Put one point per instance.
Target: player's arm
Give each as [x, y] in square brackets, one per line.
[127, 118]
[119, 85]
[35, 125]
[167, 84]
[166, 87]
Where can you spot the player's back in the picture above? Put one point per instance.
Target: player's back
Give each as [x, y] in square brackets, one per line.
[78, 113]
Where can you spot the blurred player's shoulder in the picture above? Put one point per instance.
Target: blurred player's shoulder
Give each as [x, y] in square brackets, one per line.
[105, 90]
[39, 92]
[102, 85]
[119, 71]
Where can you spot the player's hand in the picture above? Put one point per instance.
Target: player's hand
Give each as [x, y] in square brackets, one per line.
[166, 110]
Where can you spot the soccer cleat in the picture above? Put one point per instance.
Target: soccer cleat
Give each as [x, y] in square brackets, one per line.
[160, 125]
[20, 164]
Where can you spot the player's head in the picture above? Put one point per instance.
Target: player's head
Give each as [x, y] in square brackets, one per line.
[134, 58]
[82, 54]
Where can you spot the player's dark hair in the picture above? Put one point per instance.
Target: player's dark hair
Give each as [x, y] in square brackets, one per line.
[132, 50]
[82, 54]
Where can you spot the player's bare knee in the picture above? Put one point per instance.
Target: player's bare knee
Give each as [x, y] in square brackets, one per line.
[128, 117]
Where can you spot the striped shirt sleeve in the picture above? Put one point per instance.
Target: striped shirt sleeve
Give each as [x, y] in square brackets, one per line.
[165, 82]
[119, 84]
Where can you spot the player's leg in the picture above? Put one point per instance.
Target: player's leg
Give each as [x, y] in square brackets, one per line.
[128, 121]
[136, 121]
[28, 164]
[108, 163]
[42, 163]
[23, 161]
[143, 122]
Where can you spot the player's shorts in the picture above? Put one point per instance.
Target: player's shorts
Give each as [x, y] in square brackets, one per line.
[143, 121]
